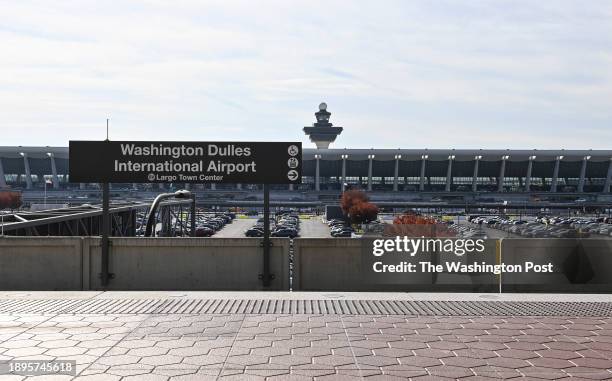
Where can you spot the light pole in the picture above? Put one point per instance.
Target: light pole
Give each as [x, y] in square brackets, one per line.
[46, 182]
[179, 194]
[317, 173]
[344, 157]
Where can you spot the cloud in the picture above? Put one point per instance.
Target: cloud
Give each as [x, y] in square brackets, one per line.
[437, 73]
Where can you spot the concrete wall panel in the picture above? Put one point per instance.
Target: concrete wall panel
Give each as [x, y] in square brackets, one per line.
[579, 265]
[189, 264]
[41, 263]
[338, 265]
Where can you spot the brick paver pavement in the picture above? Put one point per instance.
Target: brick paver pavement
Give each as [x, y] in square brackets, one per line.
[182, 347]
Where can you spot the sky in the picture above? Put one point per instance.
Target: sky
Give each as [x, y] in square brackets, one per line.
[395, 74]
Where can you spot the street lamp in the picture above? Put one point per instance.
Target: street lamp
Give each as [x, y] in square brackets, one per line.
[50, 155]
[424, 157]
[478, 157]
[344, 156]
[505, 157]
[451, 157]
[182, 194]
[179, 194]
[532, 157]
[397, 157]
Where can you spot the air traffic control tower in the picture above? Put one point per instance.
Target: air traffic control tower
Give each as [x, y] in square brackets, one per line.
[322, 133]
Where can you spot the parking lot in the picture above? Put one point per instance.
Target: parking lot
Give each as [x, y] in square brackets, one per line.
[489, 232]
[545, 227]
[310, 227]
[314, 228]
[236, 228]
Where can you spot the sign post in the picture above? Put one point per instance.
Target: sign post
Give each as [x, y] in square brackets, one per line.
[266, 277]
[185, 162]
[193, 215]
[105, 275]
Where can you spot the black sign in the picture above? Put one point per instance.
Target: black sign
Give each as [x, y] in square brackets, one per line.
[185, 162]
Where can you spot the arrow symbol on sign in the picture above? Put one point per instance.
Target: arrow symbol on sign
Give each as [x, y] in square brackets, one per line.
[292, 175]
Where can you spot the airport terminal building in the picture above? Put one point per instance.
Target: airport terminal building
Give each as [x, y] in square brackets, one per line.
[388, 170]
[377, 170]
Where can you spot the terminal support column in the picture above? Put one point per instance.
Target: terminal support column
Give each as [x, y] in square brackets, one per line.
[582, 174]
[422, 179]
[449, 171]
[396, 172]
[2, 178]
[555, 176]
[502, 174]
[370, 158]
[528, 175]
[606, 188]
[55, 178]
[26, 165]
[475, 175]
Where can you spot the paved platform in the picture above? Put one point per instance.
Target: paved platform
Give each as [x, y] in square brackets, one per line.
[330, 345]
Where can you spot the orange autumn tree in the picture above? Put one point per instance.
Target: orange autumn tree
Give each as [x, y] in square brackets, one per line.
[414, 219]
[357, 207]
[10, 200]
[415, 225]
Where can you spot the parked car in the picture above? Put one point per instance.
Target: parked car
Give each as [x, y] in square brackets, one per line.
[283, 232]
[342, 233]
[202, 231]
[254, 232]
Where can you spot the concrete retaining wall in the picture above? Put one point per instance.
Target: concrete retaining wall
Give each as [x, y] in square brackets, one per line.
[320, 264]
[579, 266]
[323, 264]
[73, 263]
[327, 264]
[41, 263]
[189, 263]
